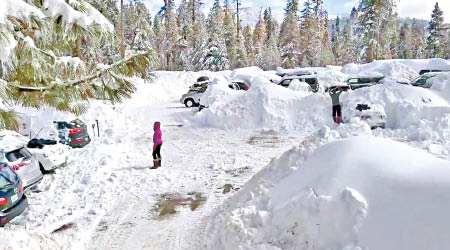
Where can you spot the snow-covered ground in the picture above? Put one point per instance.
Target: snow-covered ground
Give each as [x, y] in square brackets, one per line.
[295, 179]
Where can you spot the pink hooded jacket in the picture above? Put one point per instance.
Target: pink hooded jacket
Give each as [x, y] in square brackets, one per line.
[157, 136]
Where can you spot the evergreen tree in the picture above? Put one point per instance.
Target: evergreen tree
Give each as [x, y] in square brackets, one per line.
[53, 58]
[259, 37]
[289, 41]
[214, 55]
[270, 58]
[435, 38]
[417, 40]
[377, 28]
[168, 18]
[405, 42]
[314, 35]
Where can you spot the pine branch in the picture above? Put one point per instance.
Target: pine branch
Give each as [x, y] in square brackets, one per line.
[71, 83]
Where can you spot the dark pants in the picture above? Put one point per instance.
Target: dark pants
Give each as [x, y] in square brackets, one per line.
[157, 152]
[337, 116]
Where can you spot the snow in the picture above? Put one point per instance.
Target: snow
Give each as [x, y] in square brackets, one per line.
[330, 199]
[397, 69]
[56, 8]
[18, 9]
[304, 182]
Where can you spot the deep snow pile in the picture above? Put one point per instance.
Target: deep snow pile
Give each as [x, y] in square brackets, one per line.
[265, 105]
[356, 193]
[415, 113]
[397, 69]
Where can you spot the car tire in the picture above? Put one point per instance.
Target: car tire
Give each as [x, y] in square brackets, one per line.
[189, 103]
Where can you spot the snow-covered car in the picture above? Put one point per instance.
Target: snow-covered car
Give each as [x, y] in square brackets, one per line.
[310, 79]
[192, 98]
[424, 71]
[296, 72]
[49, 155]
[373, 115]
[423, 80]
[239, 85]
[15, 154]
[361, 82]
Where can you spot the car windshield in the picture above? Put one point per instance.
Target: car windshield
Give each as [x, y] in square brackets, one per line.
[6, 176]
[285, 82]
[17, 154]
[311, 80]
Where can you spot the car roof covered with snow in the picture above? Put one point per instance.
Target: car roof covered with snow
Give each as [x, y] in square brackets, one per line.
[10, 140]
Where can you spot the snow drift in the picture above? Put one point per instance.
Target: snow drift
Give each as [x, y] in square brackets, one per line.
[356, 193]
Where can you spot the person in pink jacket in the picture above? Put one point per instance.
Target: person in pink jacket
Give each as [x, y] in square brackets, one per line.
[157, 143]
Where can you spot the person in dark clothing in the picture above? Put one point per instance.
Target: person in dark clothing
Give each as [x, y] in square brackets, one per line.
[157, 143]
[335, 92]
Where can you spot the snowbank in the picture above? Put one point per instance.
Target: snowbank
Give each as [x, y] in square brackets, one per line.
[267, 106]
[397, 69]
[357, 193]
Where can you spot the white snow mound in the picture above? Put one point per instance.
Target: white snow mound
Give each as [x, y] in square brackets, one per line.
[358, 193]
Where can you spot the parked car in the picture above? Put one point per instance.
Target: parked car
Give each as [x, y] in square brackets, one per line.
[374, 116]
[12, 199]
[361, 82]
[75, 134]
[310, 79]
[296, 72]
[424, 71]
[48, 153]
[15, 154]
[192, 97]
[423, 80]
[239, 85]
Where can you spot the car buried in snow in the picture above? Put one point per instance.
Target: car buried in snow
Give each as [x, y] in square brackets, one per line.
[48, 153]
[195, 92]
[361, 82]
[14, 153]
[239, 85]
[12, 199]
[423, 81]
[310, 79]
[373, 115]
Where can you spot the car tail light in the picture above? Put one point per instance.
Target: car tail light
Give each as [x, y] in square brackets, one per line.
[18, 166]
[3, 201]
[4, 221]
[246, 88]
[21, 188]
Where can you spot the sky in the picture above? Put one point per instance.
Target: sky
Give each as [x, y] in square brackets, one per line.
[406, 8]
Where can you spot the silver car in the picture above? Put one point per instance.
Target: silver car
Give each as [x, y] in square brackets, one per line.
[192, 98]
[23, 162]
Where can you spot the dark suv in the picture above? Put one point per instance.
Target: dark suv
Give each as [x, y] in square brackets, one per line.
[12, 200]
[360, 82]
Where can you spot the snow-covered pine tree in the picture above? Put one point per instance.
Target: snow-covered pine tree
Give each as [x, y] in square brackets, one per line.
[214, 54]
[158, 40]
[271, 53]
[289, 35]
[259, 36]
[349, 47]
[248, 43]
[435, 37]
[137, 26]
[314, 34]
[168, 18]
[377, 28]
[336, 40]
[418, 42]
[48, 57]
[405, 42]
